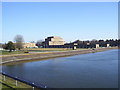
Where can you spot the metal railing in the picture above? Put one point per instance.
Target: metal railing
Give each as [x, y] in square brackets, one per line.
[34, 85]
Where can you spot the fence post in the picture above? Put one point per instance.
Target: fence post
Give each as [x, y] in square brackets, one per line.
[16, 82]
[45, 86]
[33, 87]
[4, 78]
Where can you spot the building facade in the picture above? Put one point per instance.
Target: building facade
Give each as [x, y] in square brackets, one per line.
[53, 41]
[29, 45]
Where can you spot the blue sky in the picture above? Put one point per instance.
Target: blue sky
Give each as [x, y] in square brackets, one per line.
[69, 20]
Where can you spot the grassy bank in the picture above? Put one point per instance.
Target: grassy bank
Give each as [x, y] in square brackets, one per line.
[10, 53]
[11, 83]
[13, 59]
[47, 49]
[22, 51]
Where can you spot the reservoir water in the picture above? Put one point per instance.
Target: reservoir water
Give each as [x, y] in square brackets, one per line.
[93, 70]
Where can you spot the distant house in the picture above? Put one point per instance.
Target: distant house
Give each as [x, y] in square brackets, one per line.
[1, 48]
[97, 45]
[29, 45]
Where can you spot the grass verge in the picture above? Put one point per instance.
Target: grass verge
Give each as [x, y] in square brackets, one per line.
[9, 82]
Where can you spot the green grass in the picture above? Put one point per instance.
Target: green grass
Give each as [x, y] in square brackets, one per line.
[11, 82]
[50, 49]
[47, 49]
[3, 52]
[3, 86]
[13, 52]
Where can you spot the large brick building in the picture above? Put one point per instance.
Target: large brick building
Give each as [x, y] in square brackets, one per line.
[53, 41]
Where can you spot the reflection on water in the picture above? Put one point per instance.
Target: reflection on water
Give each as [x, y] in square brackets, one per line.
[94, 70]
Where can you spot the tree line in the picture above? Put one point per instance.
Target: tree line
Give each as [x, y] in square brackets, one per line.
[102, 43]
[13, 46]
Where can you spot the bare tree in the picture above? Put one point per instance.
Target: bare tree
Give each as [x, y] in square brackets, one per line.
[94, 40]
[19, 41]
[39, 43]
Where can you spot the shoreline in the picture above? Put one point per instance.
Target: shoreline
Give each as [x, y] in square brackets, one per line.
[14, 59]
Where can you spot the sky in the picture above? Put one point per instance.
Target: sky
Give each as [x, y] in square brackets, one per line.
[69, 20]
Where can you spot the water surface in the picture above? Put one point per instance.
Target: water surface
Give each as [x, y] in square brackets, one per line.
[94, 70]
